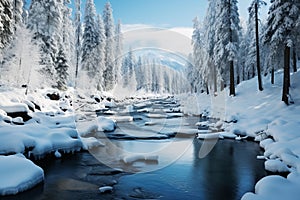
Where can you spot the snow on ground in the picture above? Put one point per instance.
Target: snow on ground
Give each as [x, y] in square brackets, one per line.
[265, 117]
[43, 122]
[18, 174]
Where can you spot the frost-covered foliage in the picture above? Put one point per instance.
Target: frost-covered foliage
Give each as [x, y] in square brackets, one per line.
[209, 44]
[128, 71]
[100, 59]
[21, 66]
[200, 70]
[6, 23]
[45, 22]
[90, 40]
[78, 37]
[109, 73]
[118, 51]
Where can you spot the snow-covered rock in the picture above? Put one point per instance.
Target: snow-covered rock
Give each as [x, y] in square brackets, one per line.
[276, 166]
[91, 142]
[18, 174]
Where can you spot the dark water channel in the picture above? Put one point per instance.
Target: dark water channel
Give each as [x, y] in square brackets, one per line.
[230, 169]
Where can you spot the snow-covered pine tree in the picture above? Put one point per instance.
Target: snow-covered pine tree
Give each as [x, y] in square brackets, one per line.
[68, 33]
[100, 59]
[253, 47]
[6, 23]
[280, 34]
[62, 68]
[78, 35]
[90, 40]
[17, 12]
[128, 71]
[190, 73]
[227, 40]
[201, 73]
[44, 21]
[209, 44]
[110, 71]
[118, 51]
[140, 78]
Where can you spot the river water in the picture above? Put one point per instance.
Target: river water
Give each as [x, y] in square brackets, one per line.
[227, 172]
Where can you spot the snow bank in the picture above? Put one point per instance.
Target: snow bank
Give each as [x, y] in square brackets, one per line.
[276, 188]
[265, 117]
[18, 174]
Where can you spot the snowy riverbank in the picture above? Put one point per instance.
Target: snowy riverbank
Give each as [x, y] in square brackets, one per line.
[41, 123]
[264, 116]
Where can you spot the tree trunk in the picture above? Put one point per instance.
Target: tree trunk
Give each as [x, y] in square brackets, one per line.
[232, 88]
[260, 86]
[273, 76]
[207, 89]
[285, 89]
[294, 60]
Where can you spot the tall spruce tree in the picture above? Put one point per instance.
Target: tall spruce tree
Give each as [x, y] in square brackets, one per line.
[109, 72]
[227, 40]
[90, 40]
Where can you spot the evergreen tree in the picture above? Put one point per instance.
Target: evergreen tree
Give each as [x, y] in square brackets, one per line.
[6, 23]
[78, 35]
[227, 40]
[17, 13]
[209, 44]
[200, 73]
[118, 50]
[62, 68]
[100, 59]
[280, 33]
[110, 71]
[45, 22]
[90, 40]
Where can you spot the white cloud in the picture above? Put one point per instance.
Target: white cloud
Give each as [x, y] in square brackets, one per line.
[177, 40]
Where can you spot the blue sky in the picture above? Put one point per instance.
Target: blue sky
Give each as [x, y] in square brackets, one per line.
[164, 13]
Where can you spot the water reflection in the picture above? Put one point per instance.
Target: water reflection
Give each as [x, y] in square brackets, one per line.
[217, 176]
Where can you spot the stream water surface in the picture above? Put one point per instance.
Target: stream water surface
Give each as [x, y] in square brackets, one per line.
[227, 172]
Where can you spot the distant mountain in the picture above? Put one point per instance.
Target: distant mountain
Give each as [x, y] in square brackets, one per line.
[169, 59]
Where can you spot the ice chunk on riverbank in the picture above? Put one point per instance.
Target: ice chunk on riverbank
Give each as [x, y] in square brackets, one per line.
[140, 157]
[105, 124]
[156, 115]
[105, 189]
[122, 118]
[98, 124]
[18, 174]
[209, 136]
